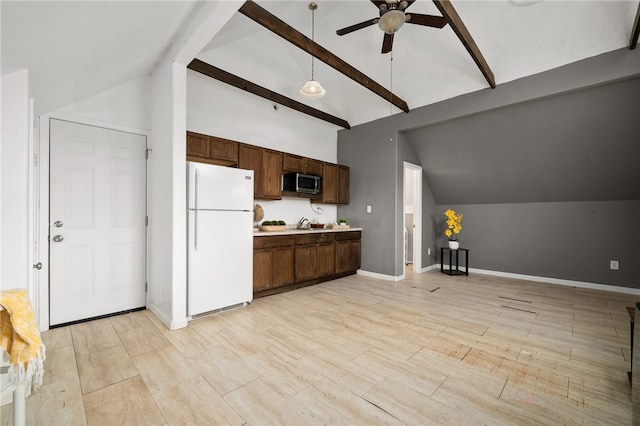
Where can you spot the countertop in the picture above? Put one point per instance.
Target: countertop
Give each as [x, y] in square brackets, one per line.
[293, 231]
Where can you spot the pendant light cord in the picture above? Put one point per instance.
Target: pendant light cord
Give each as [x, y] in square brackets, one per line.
[391, 83]
[313, 33]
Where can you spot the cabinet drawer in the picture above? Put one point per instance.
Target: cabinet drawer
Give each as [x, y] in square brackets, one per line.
[275, 241]
[320, 237]
[348, 235]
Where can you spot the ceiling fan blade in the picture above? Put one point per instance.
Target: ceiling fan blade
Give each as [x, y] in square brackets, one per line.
[426, 20]
[358, 26]
[387, 43]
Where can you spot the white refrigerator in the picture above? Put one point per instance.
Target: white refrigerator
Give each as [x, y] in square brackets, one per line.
[219, 238]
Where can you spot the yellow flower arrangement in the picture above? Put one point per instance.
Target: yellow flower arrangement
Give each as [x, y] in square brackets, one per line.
[454, 224]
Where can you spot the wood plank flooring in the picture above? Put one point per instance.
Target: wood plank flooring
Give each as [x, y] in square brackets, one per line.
[431, 349]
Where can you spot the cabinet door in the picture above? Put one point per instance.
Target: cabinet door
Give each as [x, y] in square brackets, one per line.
[283, 268]
[250, 158]
[262, 269]
[224, 151]
[312, 166]
[292, 163]
[330, 183]
[305, 262]
[343, 185]
[343, 252]
[198, 145]
[325, 259]
[271, 185]
[354, 255]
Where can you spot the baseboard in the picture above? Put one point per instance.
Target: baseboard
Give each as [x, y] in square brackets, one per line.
[429, 268]
[558, 281]
[380, 276]
[168, 322]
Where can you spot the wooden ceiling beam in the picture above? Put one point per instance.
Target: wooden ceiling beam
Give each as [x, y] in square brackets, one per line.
[239, 82]
[256, 13]
[635, 32]
[446, 8]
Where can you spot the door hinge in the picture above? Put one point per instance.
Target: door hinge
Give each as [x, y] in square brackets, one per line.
[146, 153]
[146, 287]
[146, 221]
[36, 159]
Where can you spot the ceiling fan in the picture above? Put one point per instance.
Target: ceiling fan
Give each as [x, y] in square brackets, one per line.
[392, 17]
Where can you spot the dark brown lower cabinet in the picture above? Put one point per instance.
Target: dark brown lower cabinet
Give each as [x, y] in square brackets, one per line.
[348, 251]
[325, 259]
[273, 262]
[282, 263]
[305, 262]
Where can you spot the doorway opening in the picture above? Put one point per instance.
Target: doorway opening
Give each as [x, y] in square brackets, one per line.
[412, 216]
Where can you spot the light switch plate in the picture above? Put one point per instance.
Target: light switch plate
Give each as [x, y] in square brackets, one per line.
[368, 209]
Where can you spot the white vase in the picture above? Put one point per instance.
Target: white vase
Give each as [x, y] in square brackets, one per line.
[454, 245]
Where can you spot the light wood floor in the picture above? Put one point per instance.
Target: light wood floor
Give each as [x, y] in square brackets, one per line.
[431, 349]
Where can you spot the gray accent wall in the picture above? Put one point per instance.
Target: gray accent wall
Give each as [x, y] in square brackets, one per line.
[370, 155]
[567, 238]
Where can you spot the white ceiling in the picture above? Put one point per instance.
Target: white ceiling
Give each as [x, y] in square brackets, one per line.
[80, 48]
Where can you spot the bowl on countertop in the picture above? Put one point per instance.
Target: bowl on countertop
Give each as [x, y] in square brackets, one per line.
[316, 225]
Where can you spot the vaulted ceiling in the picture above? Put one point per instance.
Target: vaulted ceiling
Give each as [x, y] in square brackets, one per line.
[77, 49]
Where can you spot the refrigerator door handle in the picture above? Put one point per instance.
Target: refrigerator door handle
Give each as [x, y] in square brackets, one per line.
[195, 188]
[195, 230]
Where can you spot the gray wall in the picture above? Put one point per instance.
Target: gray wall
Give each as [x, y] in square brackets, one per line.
[370, 155]
[376, 179]
[572, 240]
[582, 145]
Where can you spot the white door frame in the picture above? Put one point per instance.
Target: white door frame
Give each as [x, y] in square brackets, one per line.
[416, 171]
[43, 231]
[33, 212]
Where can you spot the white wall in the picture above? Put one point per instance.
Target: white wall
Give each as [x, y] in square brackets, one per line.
[123, 107]
[15, 172]
[167, 243]
[215, 108]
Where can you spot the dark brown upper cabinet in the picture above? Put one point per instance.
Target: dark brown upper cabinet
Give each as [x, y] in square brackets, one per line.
[211, 149]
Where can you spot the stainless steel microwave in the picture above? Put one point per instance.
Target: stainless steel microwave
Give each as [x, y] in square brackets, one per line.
[299, 182]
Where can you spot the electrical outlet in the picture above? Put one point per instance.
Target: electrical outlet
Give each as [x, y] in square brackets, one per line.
[429, 251]
[614, 264]
[368, 209]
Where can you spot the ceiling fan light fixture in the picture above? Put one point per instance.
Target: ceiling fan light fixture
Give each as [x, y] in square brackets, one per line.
[312, 89]
[391, 21]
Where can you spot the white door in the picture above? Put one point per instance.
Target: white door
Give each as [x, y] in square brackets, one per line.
[97, 221]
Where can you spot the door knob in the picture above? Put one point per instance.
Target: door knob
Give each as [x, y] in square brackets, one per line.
[38, 266]
[58, 238]
[58, 224]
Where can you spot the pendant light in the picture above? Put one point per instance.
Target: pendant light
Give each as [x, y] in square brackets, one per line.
[312, 89]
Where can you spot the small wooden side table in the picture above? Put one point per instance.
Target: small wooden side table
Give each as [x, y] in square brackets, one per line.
[451, 270]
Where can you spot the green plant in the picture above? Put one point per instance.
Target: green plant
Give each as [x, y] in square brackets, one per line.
[454, 224]
[342, 221]
[273, 222]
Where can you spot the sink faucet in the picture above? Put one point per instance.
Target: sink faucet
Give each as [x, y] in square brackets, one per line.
[302, 221]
